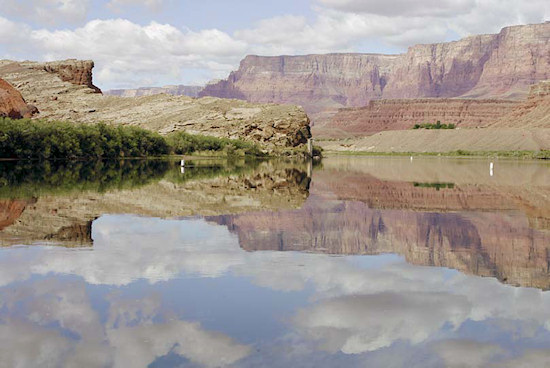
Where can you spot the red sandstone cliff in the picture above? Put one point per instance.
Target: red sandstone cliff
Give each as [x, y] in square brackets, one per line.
[401, 114]
[485, 66]
[12, 104]
[533, 113]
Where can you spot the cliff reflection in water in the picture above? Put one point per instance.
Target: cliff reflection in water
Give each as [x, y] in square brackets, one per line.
[57, 203]
[481, 225]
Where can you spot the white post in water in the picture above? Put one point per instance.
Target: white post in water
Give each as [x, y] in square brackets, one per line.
[182, 163]
[491, 167]
[310, 147]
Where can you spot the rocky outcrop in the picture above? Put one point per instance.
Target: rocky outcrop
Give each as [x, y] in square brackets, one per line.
[485, 66]
[11, 210]
[179, 90]
[402, 114]
[12, 104]
[533, 113]
[78, 72]
[57, 98]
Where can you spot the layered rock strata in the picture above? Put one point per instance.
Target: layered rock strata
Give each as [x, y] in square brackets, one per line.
[179, 90]
[533, 113]
[501, 65]
[402, 114]
[64, 96]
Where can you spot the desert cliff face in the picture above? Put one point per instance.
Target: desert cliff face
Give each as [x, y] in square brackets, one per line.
[64, 91]
[12, 104]
[402, 114]
[179, 90]
[316, 82]
[533, 113]
[485, 66]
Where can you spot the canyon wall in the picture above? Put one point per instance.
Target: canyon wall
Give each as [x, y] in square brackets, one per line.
[402, 114]
[316, 82]
[484, 66]
[179, 90]
[533, 113]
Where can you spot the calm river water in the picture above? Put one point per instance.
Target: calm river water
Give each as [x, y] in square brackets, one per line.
[353, 262]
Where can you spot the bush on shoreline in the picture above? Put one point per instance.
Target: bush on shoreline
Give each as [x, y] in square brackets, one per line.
[183, 143]
[437, 125]
[35, 139]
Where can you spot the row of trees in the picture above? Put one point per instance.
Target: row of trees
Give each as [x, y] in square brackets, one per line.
[49, 140]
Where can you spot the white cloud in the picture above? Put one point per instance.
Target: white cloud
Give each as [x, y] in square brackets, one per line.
[117, 5]
[128, 54]
[403, 7]
[467, 353]
[47, 12]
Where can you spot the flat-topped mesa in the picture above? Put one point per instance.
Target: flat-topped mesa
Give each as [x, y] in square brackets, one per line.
[316, 82]
[179, 90]
[502, 65]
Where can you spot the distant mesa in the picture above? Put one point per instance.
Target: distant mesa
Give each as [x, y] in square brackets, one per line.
[496, 66]
[178, 90]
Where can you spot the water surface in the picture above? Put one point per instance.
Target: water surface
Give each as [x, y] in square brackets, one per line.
[353, 262]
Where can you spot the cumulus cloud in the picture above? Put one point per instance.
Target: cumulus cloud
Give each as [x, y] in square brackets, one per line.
[467, 353]
[403, 7]
[357, 324]
[117, 5]
[128, 54]
[51, 322]
[47, 12]
[353, 309]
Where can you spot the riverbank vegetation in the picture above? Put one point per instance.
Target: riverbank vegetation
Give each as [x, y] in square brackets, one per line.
[537, 155]
[35, 139]
[182, 143]
[437, 125]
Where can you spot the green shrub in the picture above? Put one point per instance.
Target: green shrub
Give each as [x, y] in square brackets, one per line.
[46, 140]
[183, 143]
[437, 125]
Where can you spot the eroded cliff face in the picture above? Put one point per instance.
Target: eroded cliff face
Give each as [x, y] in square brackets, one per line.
[12, 104]
[402, 114]
[64, 91]
[485, 66]
[179, 90]
[533, 113]
[316, 82]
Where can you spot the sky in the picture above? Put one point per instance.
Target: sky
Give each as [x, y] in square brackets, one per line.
[138, 43]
